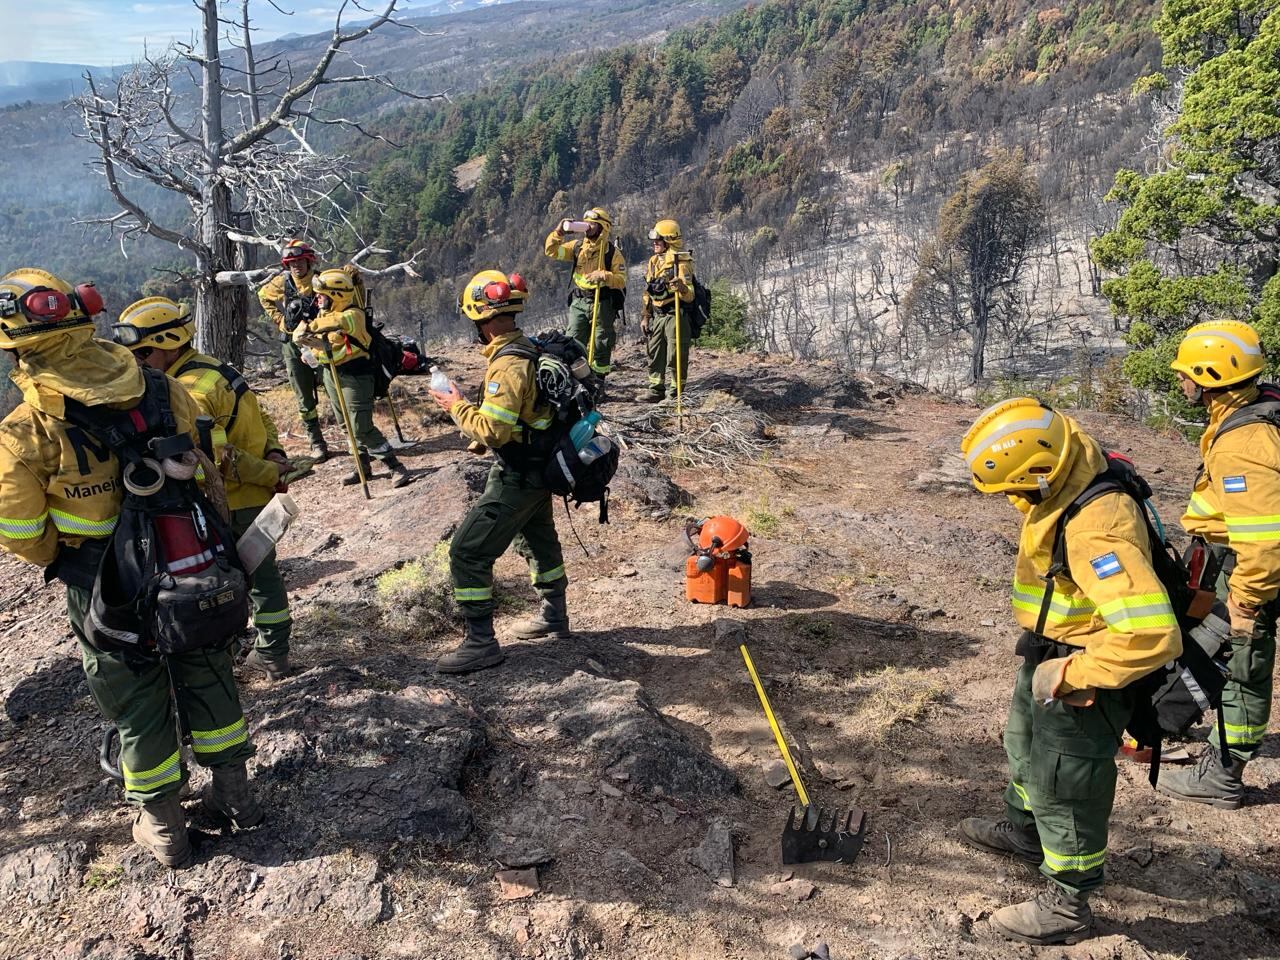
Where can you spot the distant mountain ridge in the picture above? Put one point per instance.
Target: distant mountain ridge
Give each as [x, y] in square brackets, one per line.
[21, 73]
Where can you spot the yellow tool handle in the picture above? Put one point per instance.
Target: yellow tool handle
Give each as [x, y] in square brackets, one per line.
[777, 732]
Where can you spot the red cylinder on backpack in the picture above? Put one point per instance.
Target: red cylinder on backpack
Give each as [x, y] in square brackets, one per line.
[180, 544]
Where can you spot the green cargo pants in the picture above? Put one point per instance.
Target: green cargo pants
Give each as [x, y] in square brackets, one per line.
[1246, 699]
[270, 600]
[1062, 778]
[306, 385]
[580, 310]
[357, 392]
[661, 347]
[138, 700]
[513, 508]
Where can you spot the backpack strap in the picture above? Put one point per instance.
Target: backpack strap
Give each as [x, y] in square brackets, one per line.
[1265, 409]
[125, 431]
[235, 380]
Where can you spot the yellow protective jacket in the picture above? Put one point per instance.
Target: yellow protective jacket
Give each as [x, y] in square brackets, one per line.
[666, 266]
[510, 398]
[275, 292]
[243, 426]
[1111, 604]
[56, 485]
[342, 334]
[1236, 497]
[586, 256]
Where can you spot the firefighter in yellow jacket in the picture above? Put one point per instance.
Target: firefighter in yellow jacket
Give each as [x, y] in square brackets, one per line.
[599, 282]
[339, 333]
[1236, 504]
[287, 299]
[60, 497]
[668, 276]
[516, 505]
[158, 332]
[1107, 622]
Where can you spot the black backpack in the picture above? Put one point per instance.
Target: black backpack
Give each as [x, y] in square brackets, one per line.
[1168, 701]
[146, 601]
[387, 355]
[563, 471]
[700, 309]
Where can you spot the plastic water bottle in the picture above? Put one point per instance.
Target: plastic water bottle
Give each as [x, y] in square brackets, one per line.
[439, 380]
[598, 446]
[584, 430]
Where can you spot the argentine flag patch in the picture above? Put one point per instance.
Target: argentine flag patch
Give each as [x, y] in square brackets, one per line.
[493, 388]
[1107, 565]
[1234, 484]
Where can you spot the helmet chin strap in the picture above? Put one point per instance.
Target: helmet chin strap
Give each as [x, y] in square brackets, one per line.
[1043, 484]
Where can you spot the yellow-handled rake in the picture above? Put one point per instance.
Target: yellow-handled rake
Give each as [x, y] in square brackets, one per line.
[810, 834]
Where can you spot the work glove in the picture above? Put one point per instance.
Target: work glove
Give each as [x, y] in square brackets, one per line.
[1243, 618]
[1049, 683]
[598, 276]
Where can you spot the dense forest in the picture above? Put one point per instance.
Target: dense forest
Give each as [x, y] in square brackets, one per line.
[803, 143]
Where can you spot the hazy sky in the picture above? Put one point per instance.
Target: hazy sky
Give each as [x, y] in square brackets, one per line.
[107, 32]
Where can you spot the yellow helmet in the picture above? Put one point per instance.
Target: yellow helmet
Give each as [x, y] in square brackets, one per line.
[1016, 445]
[490, 293]
[667, 230]
[599, 215]
[154, 322]
[1220, 353]
[338, 286]
[35, 305]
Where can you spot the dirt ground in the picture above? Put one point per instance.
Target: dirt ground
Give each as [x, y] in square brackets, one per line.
[881, 627]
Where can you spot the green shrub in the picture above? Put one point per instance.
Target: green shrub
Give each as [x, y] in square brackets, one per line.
[726, 329]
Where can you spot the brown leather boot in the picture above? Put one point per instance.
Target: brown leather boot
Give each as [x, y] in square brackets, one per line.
[1054, 916]
[230, 796]
[552, 620]
[161, 829]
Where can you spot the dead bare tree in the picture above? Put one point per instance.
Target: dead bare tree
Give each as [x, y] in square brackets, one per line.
[233, 168]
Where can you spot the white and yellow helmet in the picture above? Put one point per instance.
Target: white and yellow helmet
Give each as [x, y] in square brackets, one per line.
[1016, 445]
[1220, 353]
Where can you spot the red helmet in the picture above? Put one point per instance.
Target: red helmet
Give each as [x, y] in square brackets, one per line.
[297, 250]
[722, 534]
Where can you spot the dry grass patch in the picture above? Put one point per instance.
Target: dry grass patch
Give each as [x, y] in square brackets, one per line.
[892, 696]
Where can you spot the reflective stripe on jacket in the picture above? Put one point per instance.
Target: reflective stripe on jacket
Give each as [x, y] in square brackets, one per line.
[1112, 605]
[1236, 499]
[509, 398]
[59, 486]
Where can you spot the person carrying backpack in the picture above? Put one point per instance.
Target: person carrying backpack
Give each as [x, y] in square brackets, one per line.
[1089, 633]
[245, 444]
[1235, 504]
[667, 275]
[61, 494]
[516, 504]
[599, 283]
[287, 299]
[339, 333]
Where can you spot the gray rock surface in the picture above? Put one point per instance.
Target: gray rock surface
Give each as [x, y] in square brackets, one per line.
[390, 761]
[714, 856]
[44, 873]
[631, 740]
